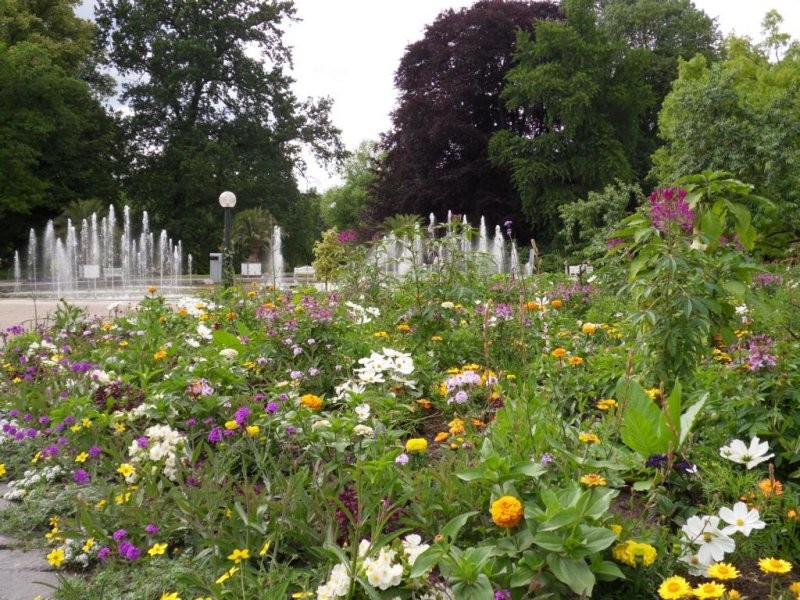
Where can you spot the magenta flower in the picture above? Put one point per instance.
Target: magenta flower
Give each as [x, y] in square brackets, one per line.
[668, 206]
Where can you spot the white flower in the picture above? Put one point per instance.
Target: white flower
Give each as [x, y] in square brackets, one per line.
[750, 456]
[363, 430]
[203, 331]
[695, 566]
[447, 304]
[363, 410]
[706, 532]
[740, 519]
[229, 353]
[321, 424]
[413, 547]
[380, 571]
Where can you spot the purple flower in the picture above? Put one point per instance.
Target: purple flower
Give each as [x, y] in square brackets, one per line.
[656, 461]
[241, 415]
[81, 477]
[119, 534]
[142, 441]
[547, 459]
[44, 420]
[215, 435]
[291, 430]
[151, 529]
[346, 236]
[272, 407]
[13, 413]
[402, 459]
[128, 551]
[95, 451]
[103, 553]
[199, 387]
[502, 595]
[668, 206]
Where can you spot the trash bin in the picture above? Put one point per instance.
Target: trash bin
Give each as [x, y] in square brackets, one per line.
[215, 266]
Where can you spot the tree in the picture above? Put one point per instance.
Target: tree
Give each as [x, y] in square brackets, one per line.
[252, 231]
[739, 115]
[56, 140]
[344, 206]
[212, 109]
[597, 79]
[436, 155]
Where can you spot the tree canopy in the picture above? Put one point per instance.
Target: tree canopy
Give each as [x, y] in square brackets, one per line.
[598, 79]
[56, 139]
[436, 155]
[211, 108]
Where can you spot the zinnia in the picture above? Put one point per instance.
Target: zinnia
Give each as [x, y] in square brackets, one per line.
[507, 511]
[311, 401]
[593, 480]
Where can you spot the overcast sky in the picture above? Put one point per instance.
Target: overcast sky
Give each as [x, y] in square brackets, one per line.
[350, 49]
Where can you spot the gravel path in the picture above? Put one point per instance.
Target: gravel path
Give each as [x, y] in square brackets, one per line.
[29, 312]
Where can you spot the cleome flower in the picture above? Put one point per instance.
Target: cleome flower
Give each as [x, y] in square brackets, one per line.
[750, 456]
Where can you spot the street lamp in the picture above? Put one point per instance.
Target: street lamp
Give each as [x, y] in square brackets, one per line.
[227, 200]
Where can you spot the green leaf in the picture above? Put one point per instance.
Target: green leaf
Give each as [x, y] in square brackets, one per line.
[225, 339]
[565, 517]
[472, 474]
[574, 572]
[607, 571]
[522, 576]
[454, 525]
[549, 541]
[644, 428]
[426, 560]
[643, 486]
[687, 418]
[528, 468]
[596, 539]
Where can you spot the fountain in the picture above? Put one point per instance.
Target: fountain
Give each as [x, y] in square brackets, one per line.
[98, 258]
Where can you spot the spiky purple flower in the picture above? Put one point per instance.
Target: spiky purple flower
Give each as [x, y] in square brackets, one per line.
[668, 206]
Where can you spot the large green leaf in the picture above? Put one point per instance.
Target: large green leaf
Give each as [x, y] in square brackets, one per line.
[574, 572]
[644, 428]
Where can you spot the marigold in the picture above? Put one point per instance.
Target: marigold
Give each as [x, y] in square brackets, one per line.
[311, 401]
[556, 303]
[425, 403]
[709, 590]
[606, 404]
[722, 571]
[768, 486]
[559, 352]
[404, 328]
[575, 361]
[774, 566]
[441, 437]
[634, 553]
[674, 588]
[507, 511]
[593, 480]
[417, 445]
[589, 328]
[456, 426]
[160, 355]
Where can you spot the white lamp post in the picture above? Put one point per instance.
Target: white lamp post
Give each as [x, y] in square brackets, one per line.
[227, 200]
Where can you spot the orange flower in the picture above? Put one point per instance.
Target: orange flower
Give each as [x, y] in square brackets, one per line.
[768, 486]
[575, 361]
[507, 512]
[441, 437]
[593, 480]
[230, 316]
[477, 423]
[424, 403]
[556, 303]
[404, 327]
[311, 401]
[559, 353]
[456, 426]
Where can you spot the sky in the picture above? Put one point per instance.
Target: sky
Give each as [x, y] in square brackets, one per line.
[349, 50]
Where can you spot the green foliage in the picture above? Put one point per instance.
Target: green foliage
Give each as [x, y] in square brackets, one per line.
[343, 206]
[252, 231]
[330, 256]
[738, 115]
[222, 117]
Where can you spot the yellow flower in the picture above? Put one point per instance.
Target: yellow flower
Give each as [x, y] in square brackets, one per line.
[380, 334]
[101, 504]
[589, 328]
[734, 595]
[56, 557]
[589, 438]
[436, 338]
[2, 469]
[768, 486]
[126, 469]
[252, 430]
[606, 404]
[157, 549]
[227, 574]
[86, 422]
[441, 437]
[674, 588]
[81, 457]
[152, 289]
[404, 328]
[722, 571]
[417, 445]
[239, 555]
[507, 512]
[456, 426]
[634, 553]
[88, 545]
[774, 566]
[119, 427]
[559, 353]
[593, 480]
[616, 528]
[311, 401]
[170, 596]
[160, 355]
[231, 425]
[653, 393]
[76, 428]
[303, 595]
[795, 588]
[575, 361]
[264, 548]
[708, 590]
[122, 498]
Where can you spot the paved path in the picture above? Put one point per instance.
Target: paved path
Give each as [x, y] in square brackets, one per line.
[23, 574]
[29, 312]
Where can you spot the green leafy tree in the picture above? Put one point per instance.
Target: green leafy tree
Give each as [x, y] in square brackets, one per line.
[598, 79]
[343, 206]
[211, 108]
[252, 231]
[742, 115]
[56, 139]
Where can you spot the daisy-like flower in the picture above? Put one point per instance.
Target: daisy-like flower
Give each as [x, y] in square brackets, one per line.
[710, 589]
[740, 519]
[750, 456]
[593, 480]
[674, 588]
[774, 566]
[722, 571]
[705, 531]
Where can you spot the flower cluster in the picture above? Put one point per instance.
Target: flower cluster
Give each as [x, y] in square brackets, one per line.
[668, 206]
[161, 447]
[390, 365]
